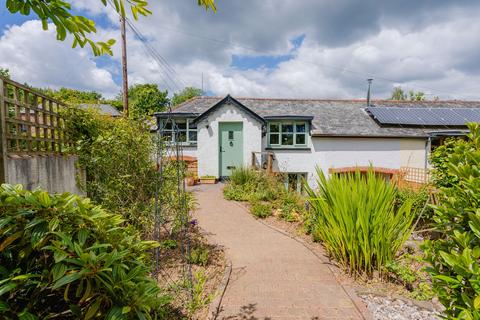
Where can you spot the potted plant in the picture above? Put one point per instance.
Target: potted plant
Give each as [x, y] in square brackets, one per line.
[190, 179]
[208, 180]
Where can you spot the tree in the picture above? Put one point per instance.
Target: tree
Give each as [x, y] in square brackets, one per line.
[186, 94]
[59, 12]
[5, 73]
[146, 99]
[416, 96]
[73, 96]
[400, 95]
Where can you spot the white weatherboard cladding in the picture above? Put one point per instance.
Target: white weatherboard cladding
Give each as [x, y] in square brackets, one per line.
[336, 152]
[208, 143]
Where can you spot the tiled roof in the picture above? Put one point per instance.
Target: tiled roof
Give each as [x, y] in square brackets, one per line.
[332, 117]
[102, 108]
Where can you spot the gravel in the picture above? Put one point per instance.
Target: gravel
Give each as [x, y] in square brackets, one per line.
[383, 308]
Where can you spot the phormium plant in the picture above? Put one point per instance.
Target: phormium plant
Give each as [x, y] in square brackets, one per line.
[354, 215]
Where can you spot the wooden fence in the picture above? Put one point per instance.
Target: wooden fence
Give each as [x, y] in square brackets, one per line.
[30, 124]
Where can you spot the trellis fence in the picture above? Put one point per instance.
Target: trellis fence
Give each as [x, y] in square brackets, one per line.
[31, 127]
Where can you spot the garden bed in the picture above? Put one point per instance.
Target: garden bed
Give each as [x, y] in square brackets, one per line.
[205, 265]
[381, 297]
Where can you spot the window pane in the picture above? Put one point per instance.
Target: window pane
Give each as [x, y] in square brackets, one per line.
[300, 139]
[287, 128]
[274, 138]
[167, 125]
[181, 124]
[230, 135]
[191, 125]
[300, 127]
[182, 136]
[167, 135]
[274, 127]
[287, 139]
[192, 136]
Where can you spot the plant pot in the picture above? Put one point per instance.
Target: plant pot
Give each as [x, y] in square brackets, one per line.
[190, 181]
[208, 180]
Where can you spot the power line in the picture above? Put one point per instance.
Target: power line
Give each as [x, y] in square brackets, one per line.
[169, 81]
[338, 68]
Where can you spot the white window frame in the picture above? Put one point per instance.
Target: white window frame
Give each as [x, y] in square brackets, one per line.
[189, 128]
[280, 133]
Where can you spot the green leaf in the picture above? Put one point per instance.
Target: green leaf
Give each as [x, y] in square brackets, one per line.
[476, 302]
[7, 288]
[69, 278]
[25, 315]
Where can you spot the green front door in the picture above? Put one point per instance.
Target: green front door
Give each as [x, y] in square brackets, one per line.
[231, 147]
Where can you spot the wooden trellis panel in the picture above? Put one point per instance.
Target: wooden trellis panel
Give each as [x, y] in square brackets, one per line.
[30, 122]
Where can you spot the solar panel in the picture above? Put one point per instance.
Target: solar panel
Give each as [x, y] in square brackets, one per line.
[425, 116]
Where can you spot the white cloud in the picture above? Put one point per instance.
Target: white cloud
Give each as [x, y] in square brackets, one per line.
[412, 45]
[36, 57]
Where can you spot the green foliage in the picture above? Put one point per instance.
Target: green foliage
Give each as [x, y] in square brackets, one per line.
[146, 99]
[400, 95]
[454, 258]
[355, 218]
[440, 159]
[185, 94]
[403, 273]
[242, 176]
[73, 96]
[199, 256]
[63, 257]
[169, 244]
[419, 200]
[120, 180]
[59, 12]
[261, 210]
[199, 296]
[5, 73]
[257, 187]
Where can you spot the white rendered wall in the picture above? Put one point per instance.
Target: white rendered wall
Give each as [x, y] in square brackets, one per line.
[190, 151]
[208, 142]
[413, 153]
[335, 152]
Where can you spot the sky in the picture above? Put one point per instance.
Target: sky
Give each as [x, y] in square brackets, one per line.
[264, 48]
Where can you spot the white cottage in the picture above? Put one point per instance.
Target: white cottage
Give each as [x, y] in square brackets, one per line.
[294, 136]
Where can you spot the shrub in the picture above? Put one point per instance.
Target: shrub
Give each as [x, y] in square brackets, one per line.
[440, 159]
[420, 206]
[199, 256]
[63, 257]
[355, 217]
[454, 258]
[261, 210]
[257, 187]
[117, 178]
[242, 176]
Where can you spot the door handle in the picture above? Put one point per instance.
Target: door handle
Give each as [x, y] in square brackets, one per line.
[221, 149]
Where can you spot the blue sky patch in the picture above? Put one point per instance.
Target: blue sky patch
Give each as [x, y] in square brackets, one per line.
[246, 62]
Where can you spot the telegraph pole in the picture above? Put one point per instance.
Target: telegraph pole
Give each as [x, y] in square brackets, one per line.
[124, 66]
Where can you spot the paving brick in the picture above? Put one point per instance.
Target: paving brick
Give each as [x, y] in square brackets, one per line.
[274, 276]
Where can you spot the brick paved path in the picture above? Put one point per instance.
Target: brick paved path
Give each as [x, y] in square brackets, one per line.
[274, 276]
